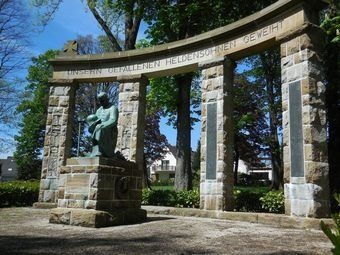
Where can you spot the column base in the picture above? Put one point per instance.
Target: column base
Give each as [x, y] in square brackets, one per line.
[95, 218]
[306, 200]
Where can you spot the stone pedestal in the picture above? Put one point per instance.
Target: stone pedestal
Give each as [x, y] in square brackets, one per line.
[216, 187]
[99, 192]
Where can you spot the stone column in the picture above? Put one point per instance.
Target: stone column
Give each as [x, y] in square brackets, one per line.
[304, 126]
[216, 188]
[131, 121]
[58, 138]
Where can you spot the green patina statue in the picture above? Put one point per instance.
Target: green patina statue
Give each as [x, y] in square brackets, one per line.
[103, 128]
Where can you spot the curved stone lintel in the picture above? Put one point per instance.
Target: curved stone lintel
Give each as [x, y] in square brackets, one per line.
[237, 40]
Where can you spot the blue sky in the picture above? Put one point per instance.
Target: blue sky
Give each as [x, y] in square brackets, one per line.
[73, 19]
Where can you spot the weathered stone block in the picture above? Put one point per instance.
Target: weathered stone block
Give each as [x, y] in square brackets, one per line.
[60, 216]
[90, 204]
[78, 169]
[283, 50]
[61, 193]
[76, 196]
[293, 46]
[45, 184]
[77, 183]
[65, 169]
[317, 172]
[316, 152]
[49, 196]
[314, 134]
[72, 203]
[287, 61]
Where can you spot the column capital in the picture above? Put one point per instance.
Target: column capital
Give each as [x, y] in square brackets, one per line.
[306, 27]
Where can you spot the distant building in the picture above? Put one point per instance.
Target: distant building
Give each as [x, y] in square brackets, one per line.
[8, 169]
[263, 172]
[164, 169]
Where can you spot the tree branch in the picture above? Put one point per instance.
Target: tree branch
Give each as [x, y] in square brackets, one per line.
[106, 29]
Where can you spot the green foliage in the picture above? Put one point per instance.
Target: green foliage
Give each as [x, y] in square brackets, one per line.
[333, 233]
[171, 198]
[188, 198]
[169, 182]
[331, 22]
[19, 193]
[158, 197]
[34, 110]
[273, 202]
[247, 200]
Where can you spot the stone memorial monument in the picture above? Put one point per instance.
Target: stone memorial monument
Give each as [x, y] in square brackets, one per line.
[106, 184]
[99, 190]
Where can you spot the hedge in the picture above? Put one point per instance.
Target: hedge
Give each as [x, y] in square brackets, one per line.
[18, 193]
[246, 200]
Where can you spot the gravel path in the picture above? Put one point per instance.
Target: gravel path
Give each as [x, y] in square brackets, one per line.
[27, 231]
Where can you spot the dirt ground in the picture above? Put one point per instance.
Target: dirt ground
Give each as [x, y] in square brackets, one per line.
[27, 231]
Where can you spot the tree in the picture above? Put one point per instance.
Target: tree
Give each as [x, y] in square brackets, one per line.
[13, 41]
[250, 121]
[13, 36]
[86, 94]
[267, 73]
[155, 143]
[34, 111]
[169, 21]
[175, 20]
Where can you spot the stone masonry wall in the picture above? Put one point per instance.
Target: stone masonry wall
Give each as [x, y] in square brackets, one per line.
[131, 122]
[57, 137]
[217, 138]
[304, 127]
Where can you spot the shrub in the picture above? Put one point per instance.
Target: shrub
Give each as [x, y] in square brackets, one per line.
[333, 233]
[188, 198]
[158, 197]
[273, 202]
[19, 193]
[170, 198]
[247, 201]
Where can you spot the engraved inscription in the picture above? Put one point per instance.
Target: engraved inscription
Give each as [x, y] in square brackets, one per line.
[211, 141]
[295, 125]
[177, 60]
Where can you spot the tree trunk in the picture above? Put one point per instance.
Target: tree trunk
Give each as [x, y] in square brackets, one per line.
[275, 153]
[183, 176]
[268, 64]
[236, 158]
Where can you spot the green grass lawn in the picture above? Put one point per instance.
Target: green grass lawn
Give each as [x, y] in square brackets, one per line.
[165, 187]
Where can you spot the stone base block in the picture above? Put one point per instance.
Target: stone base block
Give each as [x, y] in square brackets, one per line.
[44, 205]
[96, 218]
[306, 200]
